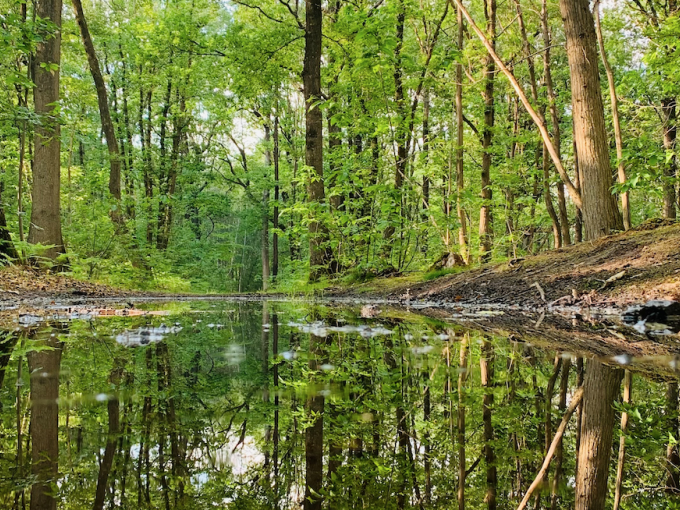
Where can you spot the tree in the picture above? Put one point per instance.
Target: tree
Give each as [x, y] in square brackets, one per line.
[103, 102]
[600, 212]
[319, 253]
[45, 214]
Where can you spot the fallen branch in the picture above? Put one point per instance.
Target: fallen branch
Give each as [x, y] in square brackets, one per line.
[540, 290]
[575, 401]
[614, 278]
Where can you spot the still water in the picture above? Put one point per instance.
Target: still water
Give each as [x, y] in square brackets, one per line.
[288, 405]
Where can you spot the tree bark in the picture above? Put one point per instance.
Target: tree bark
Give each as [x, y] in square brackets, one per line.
[485, 223]
[314, 438]
[45, 227]
[600, 212]
[601, 388]
[319, 255]
[460, 169]
[670, 130]
[621, 168]
[265, 211]
[102, 100]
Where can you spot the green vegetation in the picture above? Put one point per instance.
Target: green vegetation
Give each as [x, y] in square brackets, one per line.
[185, 151]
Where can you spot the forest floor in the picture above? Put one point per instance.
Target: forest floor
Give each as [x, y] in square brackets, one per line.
[610, 273]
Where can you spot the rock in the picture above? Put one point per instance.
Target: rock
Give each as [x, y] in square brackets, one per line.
[658, 317]
[448, 261]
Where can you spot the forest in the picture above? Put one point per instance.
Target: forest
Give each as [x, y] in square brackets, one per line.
[225, 146]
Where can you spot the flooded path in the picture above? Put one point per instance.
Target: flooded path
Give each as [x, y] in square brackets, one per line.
[199, 404]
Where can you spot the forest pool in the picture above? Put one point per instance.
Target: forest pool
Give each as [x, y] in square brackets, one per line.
[265, 404]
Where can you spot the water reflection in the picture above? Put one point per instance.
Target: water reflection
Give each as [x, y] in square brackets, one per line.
[326, 409]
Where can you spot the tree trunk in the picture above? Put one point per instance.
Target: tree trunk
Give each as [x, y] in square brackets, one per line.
[265, 211]
[102, 100]
[460, 170]
[6, 246]
[319, 255]
[670, 131]
[44, 368]
[600, 212]
[275, 215]
[485, 222]
[45, 227]
[621, 168]
[601, 388]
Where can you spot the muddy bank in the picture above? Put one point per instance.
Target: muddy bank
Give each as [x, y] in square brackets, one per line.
[611, 273]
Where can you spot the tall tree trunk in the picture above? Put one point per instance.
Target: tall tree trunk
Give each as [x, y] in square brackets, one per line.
[460, 169]
[600, 212]
[670, 131]
[555, 119]
[265, 210]
[275, 215]
[485, 220]
[627, 389]
[44, 368]
[319, 254]
[45, 227]
[102, 100]
[621, 168]
[6, 246]
[486, 363]
[601, 388]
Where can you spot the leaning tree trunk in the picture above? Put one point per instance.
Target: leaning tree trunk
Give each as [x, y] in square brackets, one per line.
[45, 225]
[601, 388]
[600, 211]
[102, 100]
[319, 255]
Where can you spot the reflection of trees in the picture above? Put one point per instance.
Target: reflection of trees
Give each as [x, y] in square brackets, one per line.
[339, 422]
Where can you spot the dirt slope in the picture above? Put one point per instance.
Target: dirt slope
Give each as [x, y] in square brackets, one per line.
[640, 264]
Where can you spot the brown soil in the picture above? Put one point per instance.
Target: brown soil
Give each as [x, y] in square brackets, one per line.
[642, 264]
[19, 286]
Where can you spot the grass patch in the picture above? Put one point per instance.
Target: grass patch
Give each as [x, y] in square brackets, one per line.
[438, 273]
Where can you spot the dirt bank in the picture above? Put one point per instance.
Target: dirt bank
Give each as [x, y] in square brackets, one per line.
[610, 273]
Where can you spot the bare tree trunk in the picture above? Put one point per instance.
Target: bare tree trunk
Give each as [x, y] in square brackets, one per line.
[487, 374]
[485, 223]
[621, 168]
[460, 170]
[601, 388]
[275, 216]
[102, 99]
[627, 389]
[319, 255]
[45, 227]
[44, 368]
[670, 131]
[600, 212]
[265, 211]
